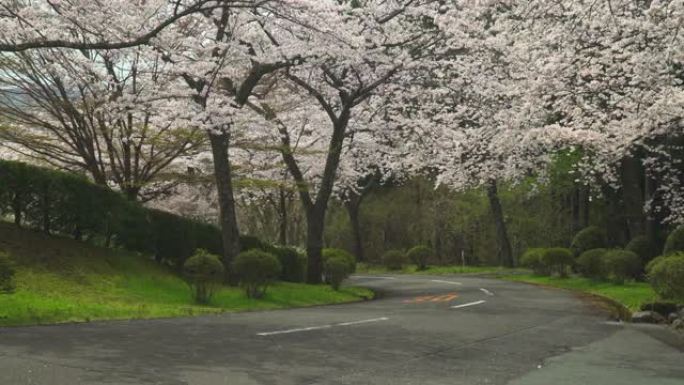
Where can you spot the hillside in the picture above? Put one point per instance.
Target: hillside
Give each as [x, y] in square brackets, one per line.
[61, 280]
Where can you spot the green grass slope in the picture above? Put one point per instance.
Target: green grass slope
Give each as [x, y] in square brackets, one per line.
[61, 280]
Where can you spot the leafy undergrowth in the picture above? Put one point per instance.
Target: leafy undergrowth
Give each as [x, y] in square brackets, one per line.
[439, 270]
[61, 280]
[631, 294]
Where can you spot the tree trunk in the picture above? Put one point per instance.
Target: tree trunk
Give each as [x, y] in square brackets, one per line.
[315, 218]
[16, 208]
[224, 184]
[353, 205]
[503, 243]
[633, 195]
[282, 208]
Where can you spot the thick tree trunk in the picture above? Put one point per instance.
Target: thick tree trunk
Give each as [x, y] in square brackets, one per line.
[503, 243]
[353, 205]
[633, 195]
[224, 184]
[315, 218]
[282, 208]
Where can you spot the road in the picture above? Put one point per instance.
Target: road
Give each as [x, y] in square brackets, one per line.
[422, 330]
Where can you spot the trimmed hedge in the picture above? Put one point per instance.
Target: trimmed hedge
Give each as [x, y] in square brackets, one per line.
[591, 237]
[675, 241]
[328, 253]
[256, 269]
[558, 260]
[643, 247]
[394, 259]
[621, 265]
[666, 275]
[336, 269]
[68, 204]
[203, 272]
[419, 256]
[292, 261]
[590, 263]
[532, 259]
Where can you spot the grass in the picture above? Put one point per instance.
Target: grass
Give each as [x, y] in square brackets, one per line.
[631, 294]
[438, 270]
[61, 280]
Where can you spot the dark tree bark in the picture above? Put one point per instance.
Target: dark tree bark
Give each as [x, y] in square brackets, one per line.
[633, 195]
[230, 233]
[503, 243]
[353, 205]
[282, 213]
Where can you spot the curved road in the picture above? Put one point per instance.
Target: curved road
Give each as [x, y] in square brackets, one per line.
[423, 330]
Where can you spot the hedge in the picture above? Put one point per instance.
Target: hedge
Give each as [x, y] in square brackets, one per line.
[63, 203]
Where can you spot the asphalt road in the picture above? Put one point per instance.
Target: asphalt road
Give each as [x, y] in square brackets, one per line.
[423, 330]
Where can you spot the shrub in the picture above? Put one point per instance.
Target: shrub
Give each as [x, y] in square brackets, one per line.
[666, 275]
[293, 263]
[203, 272]
[250, 242]
[590, 263]
[557, 259]
[591, 237]
[394, 259]
[419, 256]
[330, 253]
[255, 270]
[6, 274]
[336, 269]
[532, 259]
[643, 247]
[621, 265]
[675, 241]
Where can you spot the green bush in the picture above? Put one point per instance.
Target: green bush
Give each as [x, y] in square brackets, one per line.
[675, 241]
[331, 253]
[394, 259]
[666, 275]
[532, 259]
[558, 260]
[203, 272]
[255, 270]
[6, 274]
[292, 262]
[250, 242]
[643, 247]
[621, 265]
[590, 263]
[419, 256]
[174, 237]
[591, 237]
[336, 269]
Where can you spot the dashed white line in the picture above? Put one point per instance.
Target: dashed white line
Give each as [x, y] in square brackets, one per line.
[319, 327]
[450, 282]
[469, 304]
[482, 289]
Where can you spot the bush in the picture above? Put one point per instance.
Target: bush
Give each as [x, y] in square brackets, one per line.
[394, 259]
[255, 270]
[419, 256]
[203, 272]
[666, 275]
[331, 253]
[675, 241]
[588, 238]
[6, 274]
[557, 259]
[532, 259]
[621, 265]
[643, 247]
[590, 263]
[336, 269]
[250, 242]
[293, 263]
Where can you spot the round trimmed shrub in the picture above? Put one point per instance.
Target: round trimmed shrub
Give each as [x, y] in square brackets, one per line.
[328, 253]
[203, 272]
[675, 241]
[419, 256]
[7, 272]
[532, 259]
[394, 259]
[250, 242]
[666, 275]
[591, 237]
[557, 259]
[621, 265]
[255, 270]
[590, 263]
[643, 247]
[336, 269]
[293, 263]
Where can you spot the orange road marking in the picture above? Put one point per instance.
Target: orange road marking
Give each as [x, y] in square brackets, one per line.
[433, 298]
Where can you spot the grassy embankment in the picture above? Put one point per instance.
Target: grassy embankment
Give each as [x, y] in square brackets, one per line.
[61, 280]
[631, 294]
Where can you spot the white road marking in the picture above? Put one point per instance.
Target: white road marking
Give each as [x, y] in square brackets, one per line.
[469, 304]
[288, 331]
[450, 282]
[371, 277]
[363, 321]
[482, 289]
